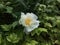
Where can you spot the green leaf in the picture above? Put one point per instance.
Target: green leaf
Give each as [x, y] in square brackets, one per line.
[31, 42]
[9, 9]
[13, 38]
[27, 44]
[38, 31]
[58, 23]
[1, 6]
[47, 25]
[55, 30]
[58, 1]
[14, 24]
[6, 27]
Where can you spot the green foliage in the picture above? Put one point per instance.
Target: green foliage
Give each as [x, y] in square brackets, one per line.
[58, 23]
[6, 27]
[13, 38]
[9, 9]
[31, 42]
[48, 32]
[38, 31]
[1, 40]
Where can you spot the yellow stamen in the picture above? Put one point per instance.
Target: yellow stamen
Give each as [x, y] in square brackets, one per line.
[28, 21]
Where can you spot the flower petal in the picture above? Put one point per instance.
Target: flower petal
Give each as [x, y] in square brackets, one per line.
[23, 15]
[27, 30]
[31, 15]
[22, 19]
[35, 24]
[32, 27]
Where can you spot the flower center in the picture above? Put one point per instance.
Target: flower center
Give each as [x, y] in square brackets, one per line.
[27, 21]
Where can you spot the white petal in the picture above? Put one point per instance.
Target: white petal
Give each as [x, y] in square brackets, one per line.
[32, 27]
[31, 15]
[34, 16]
[23, 15]
[27, 30]
[35, 24]
[22, 19]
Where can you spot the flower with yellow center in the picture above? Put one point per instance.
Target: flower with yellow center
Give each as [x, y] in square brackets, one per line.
[29, 21]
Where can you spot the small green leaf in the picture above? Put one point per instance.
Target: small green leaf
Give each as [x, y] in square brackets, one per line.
[27, 44]
[9, 9]
[14, 24]
[6, 27]
[47, 25]
[31, 42]
[1, 6]
[38, 31]
[13, 38]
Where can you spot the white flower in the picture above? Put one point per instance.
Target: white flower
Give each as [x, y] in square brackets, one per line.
[29, 21]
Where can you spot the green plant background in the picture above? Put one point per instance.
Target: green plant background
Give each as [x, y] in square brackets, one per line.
[48, 32]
